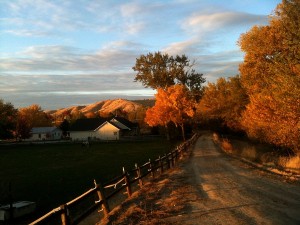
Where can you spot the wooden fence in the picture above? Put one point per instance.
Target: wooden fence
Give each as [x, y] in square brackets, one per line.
[105, 192]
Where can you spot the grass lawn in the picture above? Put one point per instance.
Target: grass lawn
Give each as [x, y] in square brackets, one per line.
[53, 174]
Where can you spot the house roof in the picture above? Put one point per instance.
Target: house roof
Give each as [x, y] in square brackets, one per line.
[123, 123]
[41, 130]
[109, 122]
[87, 124]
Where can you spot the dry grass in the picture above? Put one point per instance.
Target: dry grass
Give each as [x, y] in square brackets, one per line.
[292, 162]
[259, 153]
[216, 137]
[161, 198]
[249, 152]
[227, 146]
[155, 201]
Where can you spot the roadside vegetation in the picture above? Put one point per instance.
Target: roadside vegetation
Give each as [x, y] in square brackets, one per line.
[266, 156]
[263, 101]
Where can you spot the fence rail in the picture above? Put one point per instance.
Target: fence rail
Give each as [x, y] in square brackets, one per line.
[109, 189]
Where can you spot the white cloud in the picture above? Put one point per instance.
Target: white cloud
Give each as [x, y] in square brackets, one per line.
[221, 20]
[130, 9]
[117, 56]
[192, 46]
[29, 33]
[134, 28]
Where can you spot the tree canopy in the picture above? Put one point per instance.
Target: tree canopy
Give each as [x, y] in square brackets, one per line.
[162, 71]
[8, 115]
[172, 105]
[270, 75]
[225, 100]
[29, 117]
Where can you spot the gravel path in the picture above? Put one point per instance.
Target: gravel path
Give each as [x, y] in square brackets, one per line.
[228, 191]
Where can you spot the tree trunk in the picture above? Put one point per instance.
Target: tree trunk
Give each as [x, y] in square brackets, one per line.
[167, 132]
[182, 131]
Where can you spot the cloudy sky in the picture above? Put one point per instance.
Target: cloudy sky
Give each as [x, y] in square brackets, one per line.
[73, 52]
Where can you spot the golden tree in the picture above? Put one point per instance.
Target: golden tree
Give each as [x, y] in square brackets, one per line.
[29, 117]
[270, 74]
[172, 105]
[225, 100]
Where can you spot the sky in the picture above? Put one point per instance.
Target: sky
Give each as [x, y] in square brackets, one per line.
[75, 52]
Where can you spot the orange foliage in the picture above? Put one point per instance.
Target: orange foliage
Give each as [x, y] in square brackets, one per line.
[29, 117]
[271, 76]
[224, 100]
[172, 105]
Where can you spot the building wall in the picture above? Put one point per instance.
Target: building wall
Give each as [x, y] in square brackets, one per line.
[81, 135]
[36, 137]
[55, 135]
[108, 132]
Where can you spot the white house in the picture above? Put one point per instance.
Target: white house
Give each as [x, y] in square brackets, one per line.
[108, 131]
[84, 129]
[99, 128]
[45, 133]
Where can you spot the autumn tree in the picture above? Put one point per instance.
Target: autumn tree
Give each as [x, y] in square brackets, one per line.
[8, 116]
[162, 71]
[172, 105]
[159, 114]
[65, 127]
[270, 74]
[29, 117]
[224, 100]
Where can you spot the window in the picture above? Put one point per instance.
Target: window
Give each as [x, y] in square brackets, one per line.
[115, 133]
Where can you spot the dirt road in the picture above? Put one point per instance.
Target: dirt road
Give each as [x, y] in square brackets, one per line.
[230, 192]
[213, 188]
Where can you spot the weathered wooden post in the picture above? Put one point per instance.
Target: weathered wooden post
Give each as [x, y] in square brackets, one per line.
[139, 175]
[176, 155]
[151, 169]
[180, 151]
[168, 161]
[127, 182]
[102, 198]
[172, 159]
[65, 219]
[161, 165]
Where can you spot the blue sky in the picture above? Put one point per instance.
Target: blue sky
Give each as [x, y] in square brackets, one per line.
[75, 52]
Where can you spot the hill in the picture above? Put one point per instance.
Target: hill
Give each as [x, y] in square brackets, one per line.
[132, 110]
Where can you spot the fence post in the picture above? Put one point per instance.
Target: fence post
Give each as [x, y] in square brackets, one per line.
[168, 161]
[65, 220]
[180, 151]
[101, 196]
[139, 175]
[161, 165]
[127, 182]
[172, 159]
[151, 168]
[176, 154]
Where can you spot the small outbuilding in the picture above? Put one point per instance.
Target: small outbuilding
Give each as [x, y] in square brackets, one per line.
[45, 133]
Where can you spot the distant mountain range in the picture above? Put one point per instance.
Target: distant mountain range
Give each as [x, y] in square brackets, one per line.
[106, 107]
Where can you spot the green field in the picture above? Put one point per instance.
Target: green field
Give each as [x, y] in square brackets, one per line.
[52, 174]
